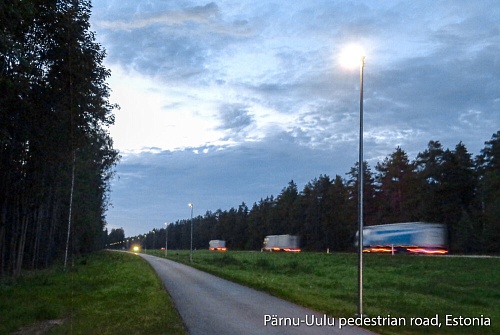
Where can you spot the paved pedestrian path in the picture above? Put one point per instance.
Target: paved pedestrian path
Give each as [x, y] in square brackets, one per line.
[210, 305]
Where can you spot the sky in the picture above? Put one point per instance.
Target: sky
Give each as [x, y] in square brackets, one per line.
[226, 102]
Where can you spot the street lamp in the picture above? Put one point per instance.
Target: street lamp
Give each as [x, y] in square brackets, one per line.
[154, 239]
[353, 55]
[166, 238]
[191, 247]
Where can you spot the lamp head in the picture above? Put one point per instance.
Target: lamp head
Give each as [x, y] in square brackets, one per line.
[352, 56]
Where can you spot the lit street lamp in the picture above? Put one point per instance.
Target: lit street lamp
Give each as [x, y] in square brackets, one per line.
[354, 56]
[191, 247]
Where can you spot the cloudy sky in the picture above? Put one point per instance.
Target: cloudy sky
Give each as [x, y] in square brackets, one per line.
[225, 102]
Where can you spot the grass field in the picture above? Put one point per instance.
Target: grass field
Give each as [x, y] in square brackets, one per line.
[117, 293]
[104, 293]
[401, 286]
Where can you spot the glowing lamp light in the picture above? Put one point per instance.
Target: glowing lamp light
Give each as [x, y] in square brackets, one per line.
[352, 56]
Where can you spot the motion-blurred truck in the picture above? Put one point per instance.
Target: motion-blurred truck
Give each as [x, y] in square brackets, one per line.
[408, 237]
[217, 245]
[289, 243]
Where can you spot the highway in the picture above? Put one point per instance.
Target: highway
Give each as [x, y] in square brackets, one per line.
[210, 305]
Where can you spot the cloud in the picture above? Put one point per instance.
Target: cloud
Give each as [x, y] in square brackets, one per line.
[234, 118]
[197, 14]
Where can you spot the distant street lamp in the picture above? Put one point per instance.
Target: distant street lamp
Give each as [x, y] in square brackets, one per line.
[354, 56]
[166, 238]
[191, 247]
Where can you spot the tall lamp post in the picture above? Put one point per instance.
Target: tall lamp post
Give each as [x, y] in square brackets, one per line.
[166, 238]
[354, 56]
[360, 189]
[154, 238]
[191, 247]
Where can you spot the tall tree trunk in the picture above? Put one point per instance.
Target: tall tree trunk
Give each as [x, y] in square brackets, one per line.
[70, 208]
[3, 239]
[37, 236]
[54, 214]
[21, 245]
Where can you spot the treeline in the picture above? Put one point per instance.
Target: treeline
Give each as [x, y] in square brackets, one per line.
[56, 155]
[440, 185]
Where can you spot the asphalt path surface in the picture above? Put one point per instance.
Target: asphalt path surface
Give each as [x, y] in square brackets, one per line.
[210, 305]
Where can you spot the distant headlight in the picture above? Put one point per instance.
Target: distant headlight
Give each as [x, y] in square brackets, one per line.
[135, 248]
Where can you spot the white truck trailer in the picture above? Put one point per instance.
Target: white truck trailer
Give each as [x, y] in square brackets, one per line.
[289, 243]
[218, 245]
[408, 237]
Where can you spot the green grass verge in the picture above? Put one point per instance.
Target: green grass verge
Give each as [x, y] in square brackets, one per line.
[104, 293]
[401, 286]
